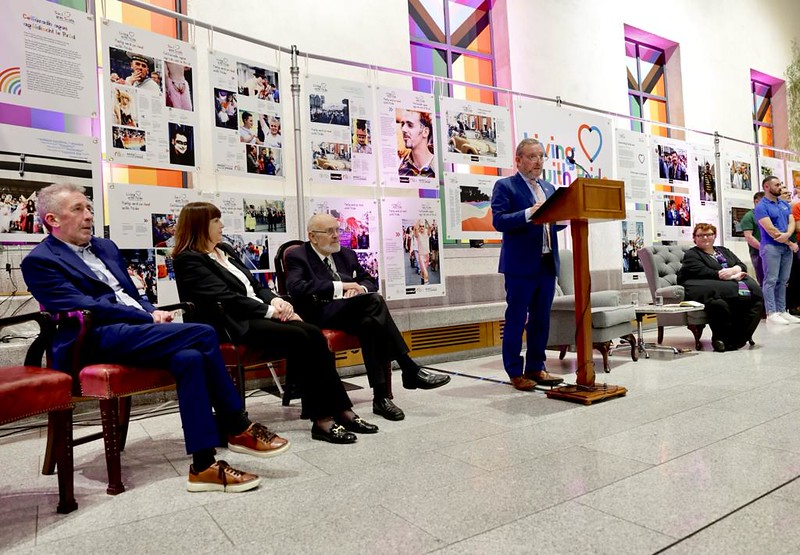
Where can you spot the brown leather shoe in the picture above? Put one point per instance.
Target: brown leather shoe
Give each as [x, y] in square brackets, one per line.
[259, 441]
[220, 476]
[543, 378]
[522, 383]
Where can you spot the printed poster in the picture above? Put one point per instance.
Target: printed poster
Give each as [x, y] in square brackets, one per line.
[793, 176]
[247, 117]
[636, 233]
[468, 206]
[150, 116]
[48, 57]
[771, 166]
[476, 134]
[358, 224]
[31, 159]
[408, 156]
[567, 135]
[412, 248]
[341, 132]
[737, 167]
[256, 225]
[633, 166]
[143, 219]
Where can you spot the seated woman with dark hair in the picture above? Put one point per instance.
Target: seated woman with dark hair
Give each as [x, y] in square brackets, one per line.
[208, 272]
[717, 278]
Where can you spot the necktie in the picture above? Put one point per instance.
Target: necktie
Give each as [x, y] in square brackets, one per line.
[333, 274]
[538, 192]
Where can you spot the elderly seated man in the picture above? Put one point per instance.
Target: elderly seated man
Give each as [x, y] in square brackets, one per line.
[330, 288]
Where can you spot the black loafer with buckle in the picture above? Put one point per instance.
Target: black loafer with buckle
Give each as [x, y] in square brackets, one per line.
[337, 434]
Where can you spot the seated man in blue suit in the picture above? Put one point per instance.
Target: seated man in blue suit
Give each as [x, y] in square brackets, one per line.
[72, 270]
[529, 261]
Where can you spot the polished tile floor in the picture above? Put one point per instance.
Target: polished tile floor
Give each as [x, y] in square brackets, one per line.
[702, 456]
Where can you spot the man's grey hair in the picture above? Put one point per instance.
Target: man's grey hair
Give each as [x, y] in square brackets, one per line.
[47, 199]
[312, 221]
[526, 142]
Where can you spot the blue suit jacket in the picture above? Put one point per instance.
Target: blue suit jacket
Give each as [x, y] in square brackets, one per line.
[61, 281]
[520, 254]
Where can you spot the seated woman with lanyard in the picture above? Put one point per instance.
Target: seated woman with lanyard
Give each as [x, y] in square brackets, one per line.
[717, 278]
[208, 272]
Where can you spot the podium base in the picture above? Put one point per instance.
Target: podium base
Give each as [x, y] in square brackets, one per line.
[586, 395]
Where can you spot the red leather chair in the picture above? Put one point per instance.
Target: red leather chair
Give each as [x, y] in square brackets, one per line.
[29, 390]
[337, 340]
[112, 385]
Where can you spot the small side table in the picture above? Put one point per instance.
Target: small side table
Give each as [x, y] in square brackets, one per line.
[652, 310]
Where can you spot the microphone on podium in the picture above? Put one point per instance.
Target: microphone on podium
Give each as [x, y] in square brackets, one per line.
[571, 160]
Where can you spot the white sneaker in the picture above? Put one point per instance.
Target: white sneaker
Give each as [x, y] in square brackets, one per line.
[789, 318]
[777, 318]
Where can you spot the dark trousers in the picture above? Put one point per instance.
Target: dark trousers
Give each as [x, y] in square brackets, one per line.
[758, 268]
[733, 321]
[309, 363]
[191, 354]
[368, 318]
[793, 285]
[528, 302]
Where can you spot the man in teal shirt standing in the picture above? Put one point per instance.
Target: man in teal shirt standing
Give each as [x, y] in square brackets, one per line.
[752, 234]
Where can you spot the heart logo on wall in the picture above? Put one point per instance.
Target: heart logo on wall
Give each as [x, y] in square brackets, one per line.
[641, 158]
[592, 130]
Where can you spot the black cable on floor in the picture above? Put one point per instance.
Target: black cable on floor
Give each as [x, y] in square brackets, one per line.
[723, 517]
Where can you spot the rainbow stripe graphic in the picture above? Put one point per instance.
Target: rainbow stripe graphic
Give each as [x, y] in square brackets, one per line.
[11, 81]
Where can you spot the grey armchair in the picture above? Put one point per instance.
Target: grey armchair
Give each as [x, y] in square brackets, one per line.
[609, 319]
[661, 264]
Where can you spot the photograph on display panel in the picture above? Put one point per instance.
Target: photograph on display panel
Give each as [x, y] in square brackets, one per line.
[362, 136]
[31, 159]
[134, 69]
[794, 178]
[177, 85]
[706, 178]
[736, 214]
[671, 163]
[416, 152]
[252, 250]
[141, 266]
[128, 139]
[677, 211]
[739, 175]
[181, 144]
[330, 156]
[124, 106]
[632, 241]
[225, 109]
[262, 215]
[472, 134]
[421, 244]
[258, 82]
[163, 229]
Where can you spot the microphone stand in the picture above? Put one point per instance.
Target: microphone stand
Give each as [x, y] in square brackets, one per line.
[571, 160]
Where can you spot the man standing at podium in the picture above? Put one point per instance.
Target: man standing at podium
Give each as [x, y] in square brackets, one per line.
[529, 261]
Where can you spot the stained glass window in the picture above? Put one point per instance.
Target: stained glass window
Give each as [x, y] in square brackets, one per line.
[647, 89]
[762, 113]
[453, 39]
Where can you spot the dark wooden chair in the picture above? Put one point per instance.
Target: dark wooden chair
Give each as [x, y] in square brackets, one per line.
[30, 390]
[337, 340]
[112, 385]
[238, 357]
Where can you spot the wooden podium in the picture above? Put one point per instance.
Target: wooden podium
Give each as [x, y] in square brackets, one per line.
[585, 200]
